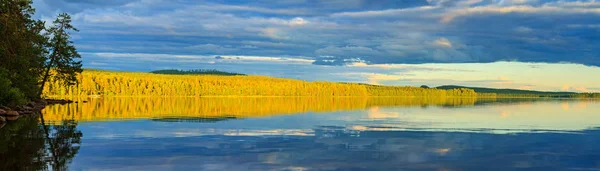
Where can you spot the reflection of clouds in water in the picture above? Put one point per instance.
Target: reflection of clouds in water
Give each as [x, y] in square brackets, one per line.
[375, 113]
[358, 128]
[581, 105]
[540, 116]
[443, 151]
[372, 150]
[504, 114]
[189, 132]
[564, 106]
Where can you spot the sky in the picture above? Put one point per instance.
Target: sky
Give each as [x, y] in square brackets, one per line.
[547, 45]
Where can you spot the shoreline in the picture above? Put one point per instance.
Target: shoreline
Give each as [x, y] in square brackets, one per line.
[28, 109]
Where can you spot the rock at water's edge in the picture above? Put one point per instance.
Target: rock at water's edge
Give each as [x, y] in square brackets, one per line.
[30, 104]
[12, 118]
[12, 113]
[26, 112]
[27, 108]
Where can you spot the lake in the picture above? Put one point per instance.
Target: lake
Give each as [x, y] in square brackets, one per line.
[279, 133]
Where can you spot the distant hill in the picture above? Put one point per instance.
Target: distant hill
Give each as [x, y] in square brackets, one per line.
[508, 91]
[195, 72]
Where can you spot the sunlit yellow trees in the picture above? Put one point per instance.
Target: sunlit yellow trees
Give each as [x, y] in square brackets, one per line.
[107, 83]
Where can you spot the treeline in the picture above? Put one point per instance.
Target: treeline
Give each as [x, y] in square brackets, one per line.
[29, 50]
[407, 91]
[586, 95]
[195, 72]
[107, 83]
[518, 95]
[515, 93]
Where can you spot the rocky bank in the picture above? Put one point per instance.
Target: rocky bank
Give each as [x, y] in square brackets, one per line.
[33, 107]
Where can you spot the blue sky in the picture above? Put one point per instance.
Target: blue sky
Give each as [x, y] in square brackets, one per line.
[527, 44]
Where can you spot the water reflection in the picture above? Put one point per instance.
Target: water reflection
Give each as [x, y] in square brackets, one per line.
[27, 144]
[107, 109]
[339, 149]
[124, 108]
[307, 134]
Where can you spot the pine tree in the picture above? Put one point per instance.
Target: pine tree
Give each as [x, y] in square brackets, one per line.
[64, 54]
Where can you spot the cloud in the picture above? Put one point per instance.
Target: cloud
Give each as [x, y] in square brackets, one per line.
[503, 78]
[357, 51]
[337, 61]
[581, 89]
[382, 13]
[212, 48]
[443, 42]
[377, 78]
[558, 8]
[273, 33]
[297, 21]
[376, 32]
[376, 113]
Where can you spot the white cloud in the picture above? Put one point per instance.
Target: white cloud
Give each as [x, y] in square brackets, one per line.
[273, 33]
[211, 48]
[298, 21]
[443, 42]
[543, 31]
[560, 9]
[356, 51]
[380, 13]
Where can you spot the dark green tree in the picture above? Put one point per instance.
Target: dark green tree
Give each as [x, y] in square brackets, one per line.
[22, 46]
[63, 58]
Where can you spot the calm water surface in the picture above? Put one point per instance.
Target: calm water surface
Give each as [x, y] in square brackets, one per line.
[306, 134]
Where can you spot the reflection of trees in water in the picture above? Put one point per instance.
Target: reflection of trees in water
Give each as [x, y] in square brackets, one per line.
[22, 145]
[195, 119]
[27, 144]
[249, 107]
[191, 109]
[63, 142]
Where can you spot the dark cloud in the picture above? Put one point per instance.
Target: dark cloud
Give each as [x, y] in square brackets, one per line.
[376, 32]
[49, 7]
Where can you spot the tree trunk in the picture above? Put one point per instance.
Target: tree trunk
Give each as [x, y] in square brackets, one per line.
[52, 60]
[46, 75]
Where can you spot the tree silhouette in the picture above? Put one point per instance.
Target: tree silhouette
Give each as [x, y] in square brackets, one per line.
[63, 143]
[62, 59]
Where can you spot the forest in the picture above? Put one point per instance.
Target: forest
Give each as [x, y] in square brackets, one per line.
[515, 93]
[40, 59]
[109, 83]
[113, 83]
[30, 48]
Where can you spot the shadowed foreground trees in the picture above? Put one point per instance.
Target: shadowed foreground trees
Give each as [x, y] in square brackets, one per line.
[62, 59]
[22, 46]
[28, 50]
